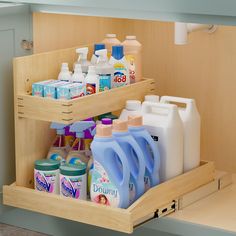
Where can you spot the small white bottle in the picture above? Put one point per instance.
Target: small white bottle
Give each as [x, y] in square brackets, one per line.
[82, 59]
[65, 74]
[78, 76]
[92, 81]
[132, 108]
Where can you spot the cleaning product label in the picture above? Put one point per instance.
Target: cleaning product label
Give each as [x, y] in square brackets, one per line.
[132, 189]
[46, 181]
[73, 186]
[57, 157]
[75, 161]
[90, 88]
[104, 82]
[131, 65]
[120, 75]
[147, 180]
[102, 190]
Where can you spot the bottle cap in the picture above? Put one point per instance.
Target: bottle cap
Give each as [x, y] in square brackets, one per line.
[151, 98]
[135, 121]
[118, 52]
[110, 35]
[103, 130]
[130, 37]
[92, 70]
[46, 165]
[133, 105]
[120, 126]
[106, 121]
[99, 46]
[73, 170]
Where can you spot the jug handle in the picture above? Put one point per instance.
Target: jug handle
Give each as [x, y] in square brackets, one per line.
[189, 102]
[121, 155]
[170, 108]
[138, 150]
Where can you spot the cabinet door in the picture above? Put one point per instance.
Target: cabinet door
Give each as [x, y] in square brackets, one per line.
[15, 25]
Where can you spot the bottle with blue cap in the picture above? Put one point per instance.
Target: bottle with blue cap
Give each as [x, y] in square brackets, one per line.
[58, 149]
[97, 47]
[120, 66]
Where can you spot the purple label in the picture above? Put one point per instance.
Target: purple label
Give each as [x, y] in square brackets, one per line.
[70, 187]
[43, 182]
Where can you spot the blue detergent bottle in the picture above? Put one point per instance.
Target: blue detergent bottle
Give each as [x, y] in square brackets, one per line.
[149, 148]
[110, 182]
[136, 162]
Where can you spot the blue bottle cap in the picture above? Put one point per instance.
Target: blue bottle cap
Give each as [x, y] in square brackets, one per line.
[118, 52]
[99, 46]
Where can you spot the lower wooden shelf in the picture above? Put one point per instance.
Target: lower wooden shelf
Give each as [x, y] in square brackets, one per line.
[124, 220]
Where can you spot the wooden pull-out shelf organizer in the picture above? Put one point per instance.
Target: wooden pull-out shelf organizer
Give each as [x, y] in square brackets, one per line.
[33, 138]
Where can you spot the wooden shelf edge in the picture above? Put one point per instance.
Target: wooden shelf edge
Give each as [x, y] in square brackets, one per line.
[67, 112]
[76, 210]
[171, 190]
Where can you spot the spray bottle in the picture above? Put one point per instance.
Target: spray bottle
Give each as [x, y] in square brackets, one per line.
[78, 152]
[82, 59]
[97, 46]
[58, 149]
[104, 70]
[65, 74]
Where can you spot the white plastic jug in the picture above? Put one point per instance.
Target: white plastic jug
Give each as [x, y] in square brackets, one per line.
[165, 126]
[192, 125]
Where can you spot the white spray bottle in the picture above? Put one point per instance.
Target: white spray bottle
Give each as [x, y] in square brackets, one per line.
[82, 59]
[79, 78]
[104, 70]
[65, 74]
[92, 81]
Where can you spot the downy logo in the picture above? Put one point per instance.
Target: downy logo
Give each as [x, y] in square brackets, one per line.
[105, 191]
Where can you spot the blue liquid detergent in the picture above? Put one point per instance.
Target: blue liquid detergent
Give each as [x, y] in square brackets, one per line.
[151, 154]
[110, 183]
[135, 158]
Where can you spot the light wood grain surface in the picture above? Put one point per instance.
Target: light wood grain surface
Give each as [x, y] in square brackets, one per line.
[204, 69]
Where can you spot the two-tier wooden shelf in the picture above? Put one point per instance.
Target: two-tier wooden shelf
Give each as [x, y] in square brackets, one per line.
[33, 138]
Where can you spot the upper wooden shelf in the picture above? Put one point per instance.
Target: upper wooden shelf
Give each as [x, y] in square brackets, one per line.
[69, 111]
[202, 11]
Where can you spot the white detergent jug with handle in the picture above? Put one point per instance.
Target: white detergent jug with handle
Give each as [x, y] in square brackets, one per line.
[192, 125]
[165, 126]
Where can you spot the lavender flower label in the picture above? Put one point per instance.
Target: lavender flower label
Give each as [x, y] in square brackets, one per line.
[70, 187]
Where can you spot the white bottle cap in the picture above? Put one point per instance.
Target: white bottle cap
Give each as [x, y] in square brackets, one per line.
[92, 70]
[130, 37]
[152, 98]
[110, 35]
[133, 105]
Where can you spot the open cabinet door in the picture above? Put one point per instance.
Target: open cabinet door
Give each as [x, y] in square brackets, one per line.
[15, 26]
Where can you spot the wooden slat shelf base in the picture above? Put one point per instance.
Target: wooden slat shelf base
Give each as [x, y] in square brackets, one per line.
[69, 111]
[123, 220]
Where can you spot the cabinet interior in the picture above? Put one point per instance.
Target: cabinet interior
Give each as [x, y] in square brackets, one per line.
[203, 69]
